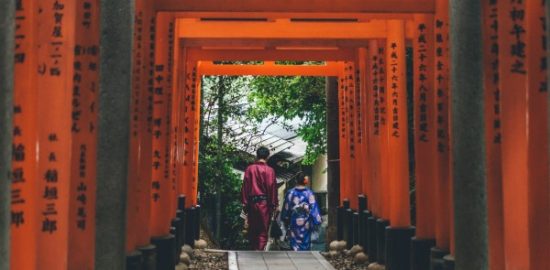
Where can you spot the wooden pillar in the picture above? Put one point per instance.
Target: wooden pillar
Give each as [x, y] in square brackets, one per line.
[443, 186]
[354, 175]
[333, 170]
[55, 45]
[191, 119]
[399, 234]
[113, 127]
[396, 96]
[361, 120]
[512, 25]
[425, 126]
[373, 126]
[85, 90]
[344, 136]
[7, 43]
[538, 171]
[425, 140]
[24, 170]
[385, 120]
[493, 135]
[468, 135]
[160, 196]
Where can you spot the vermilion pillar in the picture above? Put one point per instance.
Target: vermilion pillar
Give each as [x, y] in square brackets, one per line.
[493, 135]
[425, 125]
[354, 176]
[512, 27]
[360, 121]
[398, 132]
[190, 129]
[398, 236]
[441, 84]
[344, 137]
[24, 167]
[55, 45]
[85, 90]
[538, 174]
[425, 140]
[372, 106]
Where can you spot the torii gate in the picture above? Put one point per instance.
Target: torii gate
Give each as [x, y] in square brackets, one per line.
[137, 110]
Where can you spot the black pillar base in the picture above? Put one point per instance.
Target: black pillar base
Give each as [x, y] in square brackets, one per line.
[363, 229]
[340, 224]
[355, 224]
[449, 262]
[165, 251]
[134, 260]
[189, 237]
[371, 235]
[381, 225]
[436, 258]
[176, 223]
[149, 261]
[398, 248]
[181, 237]
[197, 223]
[420, 253]
[349, 228]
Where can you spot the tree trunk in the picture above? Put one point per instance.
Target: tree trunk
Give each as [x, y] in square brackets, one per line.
[221, 112]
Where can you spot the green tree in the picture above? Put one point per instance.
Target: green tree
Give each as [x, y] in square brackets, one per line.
[287, 98]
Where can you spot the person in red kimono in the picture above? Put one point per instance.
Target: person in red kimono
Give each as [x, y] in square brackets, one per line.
[259, 198]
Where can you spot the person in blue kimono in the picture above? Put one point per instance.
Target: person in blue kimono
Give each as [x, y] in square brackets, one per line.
[301, 214]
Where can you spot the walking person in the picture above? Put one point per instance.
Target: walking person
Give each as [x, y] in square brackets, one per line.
[301, 214]
[259, 198]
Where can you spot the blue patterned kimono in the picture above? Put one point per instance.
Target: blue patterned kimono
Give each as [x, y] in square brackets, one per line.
[301, 209]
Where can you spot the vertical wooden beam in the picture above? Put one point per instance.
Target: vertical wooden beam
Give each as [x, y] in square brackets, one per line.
[160, 197]
[113, 126]
[138, 51]
[85, 89]
[538, 171]
[399, 234]
[384, 132]
[190, 126]
[512, 25]
[354, 178]
[55, 42]
[468, 135]
[442, 89]
[7, 43]
[343, 136]
[333, 174]
[361, 121]
[493, 136]
[396, 96]
[425, 126]
[24, 170]
[373, 130]
[425, 140]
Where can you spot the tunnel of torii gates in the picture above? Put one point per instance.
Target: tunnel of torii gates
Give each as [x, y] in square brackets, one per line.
[101, 114]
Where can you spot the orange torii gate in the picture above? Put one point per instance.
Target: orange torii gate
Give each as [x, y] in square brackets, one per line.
[135, 105]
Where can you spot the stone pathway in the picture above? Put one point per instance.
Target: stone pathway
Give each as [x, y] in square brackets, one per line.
[277, 260]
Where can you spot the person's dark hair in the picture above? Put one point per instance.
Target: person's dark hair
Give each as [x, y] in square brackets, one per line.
[301, 179]
[262, 152]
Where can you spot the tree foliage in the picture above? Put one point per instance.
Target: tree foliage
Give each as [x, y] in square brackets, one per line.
[288, 98]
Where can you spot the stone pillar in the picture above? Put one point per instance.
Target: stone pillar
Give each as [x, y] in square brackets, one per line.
[114, 126]
[468, 135]
[333, 153]
[7, 28]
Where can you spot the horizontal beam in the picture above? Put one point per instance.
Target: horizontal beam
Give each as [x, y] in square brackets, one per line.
[273, 43]
[283, 29]
[331, 69]
[197, 54]
[297, 16]
[372, 6]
